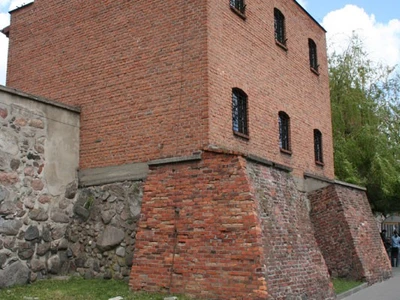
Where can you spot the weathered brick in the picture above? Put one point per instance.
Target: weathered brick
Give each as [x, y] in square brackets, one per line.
[224, 234]
[154, 79]
[342, 216]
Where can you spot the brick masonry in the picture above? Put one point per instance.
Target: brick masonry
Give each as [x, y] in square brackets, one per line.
[154, 79]
[137, 69]
[223, 228]
[347, 234]
[295, 267]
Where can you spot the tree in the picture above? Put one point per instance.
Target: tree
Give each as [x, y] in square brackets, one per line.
[366, 125]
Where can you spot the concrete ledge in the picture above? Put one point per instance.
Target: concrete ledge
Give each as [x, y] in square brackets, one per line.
[352, 291]
[39, 99]
[321, 178]
[98, 176]
[282, 167]
[174, 160]
[268, 163]
[260, 160]
[353, 186]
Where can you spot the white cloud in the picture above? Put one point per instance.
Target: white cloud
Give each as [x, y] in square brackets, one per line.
[381, 41]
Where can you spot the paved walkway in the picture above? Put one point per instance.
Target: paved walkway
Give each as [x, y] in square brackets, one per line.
[386, 290]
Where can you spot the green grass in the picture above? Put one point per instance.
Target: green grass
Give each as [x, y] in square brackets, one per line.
[77, 289]
[342, 285]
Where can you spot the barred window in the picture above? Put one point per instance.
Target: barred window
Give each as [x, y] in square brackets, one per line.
[239, 112]
[318, 146]
[284, 131]
[313, 55]
[279, 23]
[238, 4]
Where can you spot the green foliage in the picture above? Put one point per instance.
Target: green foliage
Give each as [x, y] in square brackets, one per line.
[77, 289]
[366, 124]
[342, 285]
[89, 202]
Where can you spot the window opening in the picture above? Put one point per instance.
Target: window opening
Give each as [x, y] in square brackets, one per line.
[239, 112]
[238, 4]
[313, 55]
[284, 131]
[318, 146]
[279, 23]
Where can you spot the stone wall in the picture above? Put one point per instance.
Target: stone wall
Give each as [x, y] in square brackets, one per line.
[347, 234]
[38, 158]
[49, 226]
[101, 235]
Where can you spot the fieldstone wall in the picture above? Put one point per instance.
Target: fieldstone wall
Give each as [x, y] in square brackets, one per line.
[101, 235]
[39, 142]
[48, 225]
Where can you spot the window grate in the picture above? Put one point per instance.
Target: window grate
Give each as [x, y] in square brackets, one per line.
[313, 54]
[239, 112]
[284, 131]
[318, 146]
[238, 4]
[279, 24]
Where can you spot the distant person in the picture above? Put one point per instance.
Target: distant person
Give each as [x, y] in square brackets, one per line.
[385, 241]
[383, 235]
[395, 248]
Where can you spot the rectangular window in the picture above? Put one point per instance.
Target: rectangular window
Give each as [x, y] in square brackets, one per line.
[239, 112]
[279, 24]
[313, 55]
[318, 146]
[284, 131]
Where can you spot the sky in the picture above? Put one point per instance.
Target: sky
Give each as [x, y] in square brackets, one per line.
[376, 22]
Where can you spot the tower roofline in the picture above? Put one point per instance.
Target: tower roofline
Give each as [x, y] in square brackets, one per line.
[312, 18]
[22, 6]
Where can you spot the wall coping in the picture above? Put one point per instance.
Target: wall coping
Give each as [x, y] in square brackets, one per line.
[174, 160]
[254, 158]
[133, 171]
[349, 185]
[317, 177]
[39, 99]
[269, 163]
[107, 175]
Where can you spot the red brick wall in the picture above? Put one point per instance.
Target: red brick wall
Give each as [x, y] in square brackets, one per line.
[137, 69]
[347, 234]
[236, 237]
[154, 78]
[243, 54]
[218, 251]
[295, 267]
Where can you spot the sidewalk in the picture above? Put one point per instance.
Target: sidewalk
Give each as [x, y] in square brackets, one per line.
[386, 290]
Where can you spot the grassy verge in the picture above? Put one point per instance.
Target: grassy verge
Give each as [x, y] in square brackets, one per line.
[77, 289]
[342, 285]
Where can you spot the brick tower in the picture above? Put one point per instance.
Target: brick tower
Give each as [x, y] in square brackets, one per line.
[225, 106]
